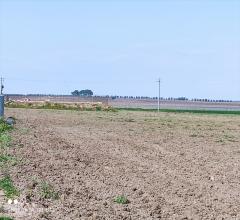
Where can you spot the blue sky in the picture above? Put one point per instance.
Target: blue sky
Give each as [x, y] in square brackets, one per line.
[122, 47]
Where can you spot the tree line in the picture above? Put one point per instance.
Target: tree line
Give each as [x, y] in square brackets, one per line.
[88, 92]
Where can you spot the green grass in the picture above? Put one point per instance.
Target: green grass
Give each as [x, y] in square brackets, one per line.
[121, 200]
[226, 112]
[10, 191]
[6, 184]
[5, 140]
[5, 218]
[4, 127]
[5, 158]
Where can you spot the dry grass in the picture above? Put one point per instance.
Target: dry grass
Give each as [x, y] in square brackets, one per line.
[84, 106]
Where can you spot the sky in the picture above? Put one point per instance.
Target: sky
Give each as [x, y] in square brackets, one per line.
[121, 47]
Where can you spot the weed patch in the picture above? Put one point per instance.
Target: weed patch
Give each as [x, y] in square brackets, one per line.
[48, 192]
[4, 127]
[10, 191]
[5, 140]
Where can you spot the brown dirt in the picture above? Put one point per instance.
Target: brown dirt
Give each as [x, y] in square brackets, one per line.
[169, 166]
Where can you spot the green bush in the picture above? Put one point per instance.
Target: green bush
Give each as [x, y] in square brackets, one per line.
[98, 108]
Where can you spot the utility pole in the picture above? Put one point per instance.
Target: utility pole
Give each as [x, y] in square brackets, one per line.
[2, 86]
[159, 92]
[2, 100]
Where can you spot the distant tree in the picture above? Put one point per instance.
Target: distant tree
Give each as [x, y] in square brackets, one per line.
[86, 92]
[75, 93]
[182, 98]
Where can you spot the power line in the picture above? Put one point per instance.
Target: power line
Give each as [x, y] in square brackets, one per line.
[102, 81]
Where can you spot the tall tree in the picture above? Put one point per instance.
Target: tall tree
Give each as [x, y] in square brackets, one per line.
[86, 92]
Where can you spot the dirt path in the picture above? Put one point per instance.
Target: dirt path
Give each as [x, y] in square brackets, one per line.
[169, 166]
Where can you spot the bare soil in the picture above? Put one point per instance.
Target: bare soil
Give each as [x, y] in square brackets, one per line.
[168, 166]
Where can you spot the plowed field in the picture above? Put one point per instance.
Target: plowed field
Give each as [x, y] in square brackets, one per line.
[168, 166]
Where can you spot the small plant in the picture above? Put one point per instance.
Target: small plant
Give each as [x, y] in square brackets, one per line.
[121, 200]
[48, 192]
[10, 191]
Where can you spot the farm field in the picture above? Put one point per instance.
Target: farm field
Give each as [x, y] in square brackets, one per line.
[174, 104]
[84, 164]
[131, 103]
